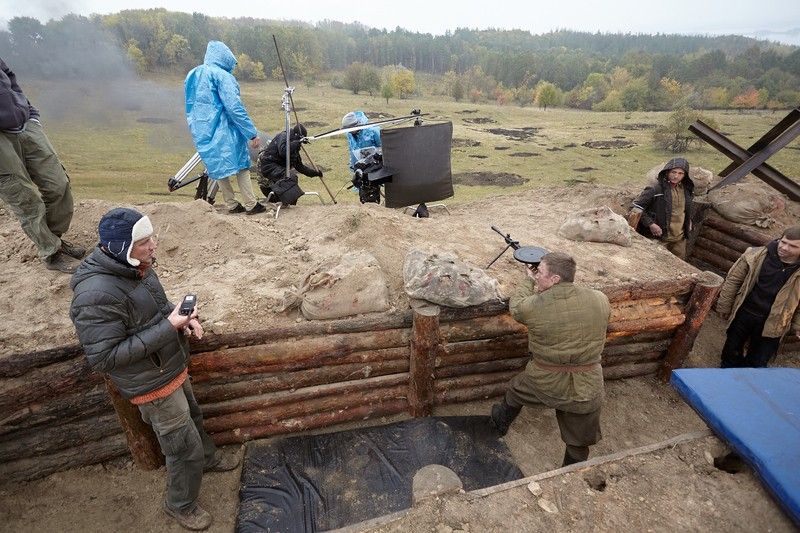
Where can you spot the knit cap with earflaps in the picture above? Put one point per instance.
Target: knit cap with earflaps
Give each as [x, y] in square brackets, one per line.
[119, 229]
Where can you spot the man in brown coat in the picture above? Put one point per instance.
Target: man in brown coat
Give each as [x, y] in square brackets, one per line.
[760, 300]
[566, 334]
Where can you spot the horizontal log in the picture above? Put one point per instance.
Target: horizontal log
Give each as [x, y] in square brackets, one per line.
[308, 353]
[61, 410]
[474, 380]
[271, 400]
[318, 420]
[367, 323]
[644, 357]
[636, 337]
[73, 457]
[482, 392]
[482, 328]
[495, 307]
[21, 363]
[504, 347]
[657, 324]
[636, 347]
[630, 370]
[717, 248]
[640, 312]
[712, 259]
[723, 239]
[261, 384]
[50, 382]
[680, 286]
[40, 441]
[755, 238]
[262, 417]
[485, 367]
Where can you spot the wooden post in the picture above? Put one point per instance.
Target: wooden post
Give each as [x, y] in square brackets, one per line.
[705, 292]
[141, 440]
[425, 346]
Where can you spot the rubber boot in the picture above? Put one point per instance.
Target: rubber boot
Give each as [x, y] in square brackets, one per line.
[569, 460]
[502, 416]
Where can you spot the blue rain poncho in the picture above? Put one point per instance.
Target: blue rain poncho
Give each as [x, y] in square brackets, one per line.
[362, 138]
[218, 121]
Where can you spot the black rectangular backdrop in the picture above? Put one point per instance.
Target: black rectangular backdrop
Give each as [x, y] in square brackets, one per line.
[420, 158]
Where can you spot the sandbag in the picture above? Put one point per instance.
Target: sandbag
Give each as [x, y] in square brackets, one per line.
[747, 203]
[598, 224]
[443, 279]
[350, 285]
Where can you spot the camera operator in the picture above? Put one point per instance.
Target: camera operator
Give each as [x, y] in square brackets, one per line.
[129, 330]
[272, 166]
[566, 334]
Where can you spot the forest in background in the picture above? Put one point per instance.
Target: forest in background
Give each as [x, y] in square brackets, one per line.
[598, 71]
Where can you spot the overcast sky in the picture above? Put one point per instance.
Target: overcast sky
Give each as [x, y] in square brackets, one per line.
[767, 18]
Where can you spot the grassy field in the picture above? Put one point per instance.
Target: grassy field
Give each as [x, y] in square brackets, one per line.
[126, 149]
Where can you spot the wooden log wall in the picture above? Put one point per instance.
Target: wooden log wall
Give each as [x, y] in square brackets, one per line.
[55, 413]
[719, 243]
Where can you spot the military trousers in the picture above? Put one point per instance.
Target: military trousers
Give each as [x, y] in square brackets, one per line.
[578, 430]
[35, 187]
[178, 423]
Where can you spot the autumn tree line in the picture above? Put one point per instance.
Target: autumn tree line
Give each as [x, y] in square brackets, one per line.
[598, 71]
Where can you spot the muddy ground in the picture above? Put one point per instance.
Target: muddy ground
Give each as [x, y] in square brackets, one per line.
[241, 266]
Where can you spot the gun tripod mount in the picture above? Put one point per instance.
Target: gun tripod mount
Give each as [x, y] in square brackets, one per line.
[530, 255]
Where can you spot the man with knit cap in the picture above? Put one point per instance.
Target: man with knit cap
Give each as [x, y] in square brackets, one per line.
[130, 330]
[33, 182]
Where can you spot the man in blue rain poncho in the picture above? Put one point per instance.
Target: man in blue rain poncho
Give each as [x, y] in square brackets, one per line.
[364, 147]
[364, 138]
[221, 127]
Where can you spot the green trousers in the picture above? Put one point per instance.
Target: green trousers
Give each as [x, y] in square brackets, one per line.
[178, 424]
[35, 187]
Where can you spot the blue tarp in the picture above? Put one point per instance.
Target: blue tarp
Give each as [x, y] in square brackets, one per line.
[757, 412]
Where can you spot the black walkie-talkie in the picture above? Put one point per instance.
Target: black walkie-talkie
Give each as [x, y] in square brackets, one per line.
[187, 305]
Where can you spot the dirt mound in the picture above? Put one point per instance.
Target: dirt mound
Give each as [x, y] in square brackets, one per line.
[466, 143]
[240, 266]
[517, 134]
[608, 145]
[480, 120]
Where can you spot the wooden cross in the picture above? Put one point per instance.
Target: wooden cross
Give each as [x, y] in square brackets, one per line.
[754, 158]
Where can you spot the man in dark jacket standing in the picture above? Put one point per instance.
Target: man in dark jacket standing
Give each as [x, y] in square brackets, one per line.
[130, 330]
[32, 181]
[761, 301]
[272, 167]
[666, 207]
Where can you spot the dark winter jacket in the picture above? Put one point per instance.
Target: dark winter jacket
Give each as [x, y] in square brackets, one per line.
[655, 201]
[272, 161]
[15, 109]
[121, 321]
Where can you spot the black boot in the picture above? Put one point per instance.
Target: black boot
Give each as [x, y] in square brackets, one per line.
[569, 460]
[502, 416]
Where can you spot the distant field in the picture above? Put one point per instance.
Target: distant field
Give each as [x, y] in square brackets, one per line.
[126, 147]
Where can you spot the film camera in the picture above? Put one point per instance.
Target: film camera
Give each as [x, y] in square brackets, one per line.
[370, 174]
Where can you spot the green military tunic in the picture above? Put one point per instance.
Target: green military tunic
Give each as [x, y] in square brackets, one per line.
[566, 334]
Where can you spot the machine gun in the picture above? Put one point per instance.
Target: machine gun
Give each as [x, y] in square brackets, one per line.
[530, 255]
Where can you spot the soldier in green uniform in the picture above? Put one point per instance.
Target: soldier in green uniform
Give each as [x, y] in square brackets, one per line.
[566, 334]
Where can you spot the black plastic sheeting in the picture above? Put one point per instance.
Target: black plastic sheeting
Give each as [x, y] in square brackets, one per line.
[420, 158]
[321, 482]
